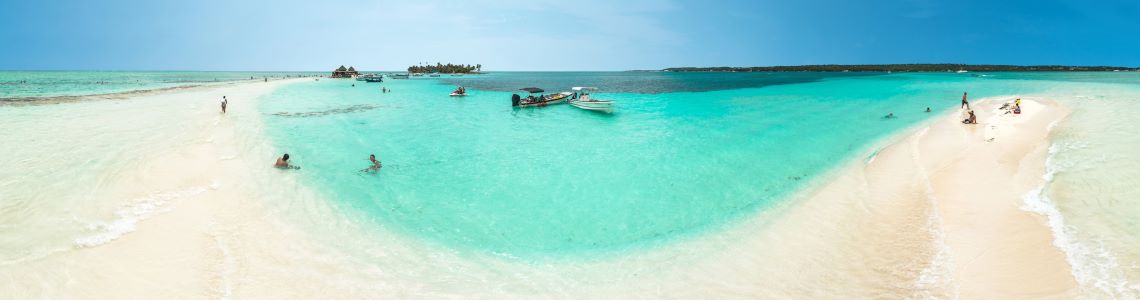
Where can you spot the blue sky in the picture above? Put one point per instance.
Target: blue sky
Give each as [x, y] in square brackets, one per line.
[560, 35]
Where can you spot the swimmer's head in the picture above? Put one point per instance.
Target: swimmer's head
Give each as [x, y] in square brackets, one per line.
[286, 157]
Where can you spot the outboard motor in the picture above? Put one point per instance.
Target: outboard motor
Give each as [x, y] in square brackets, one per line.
[515, 99]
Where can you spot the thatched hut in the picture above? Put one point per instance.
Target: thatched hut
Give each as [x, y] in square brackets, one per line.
[344, 73]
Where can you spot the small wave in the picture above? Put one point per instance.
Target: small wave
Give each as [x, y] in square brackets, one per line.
[1093, 265]
[936, 281]
[128, 216]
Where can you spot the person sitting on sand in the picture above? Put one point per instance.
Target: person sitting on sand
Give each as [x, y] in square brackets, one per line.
[965, 104]
[282, 162]
[972, 119]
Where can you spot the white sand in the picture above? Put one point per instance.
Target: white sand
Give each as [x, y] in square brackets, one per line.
[935, 214]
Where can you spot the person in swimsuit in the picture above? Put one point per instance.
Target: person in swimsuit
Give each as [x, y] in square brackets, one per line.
[965, 104]
[224, 102]
[375, 163]
[282, 162]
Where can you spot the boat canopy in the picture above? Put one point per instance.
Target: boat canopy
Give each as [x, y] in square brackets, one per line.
[579, 88]
[532, 90]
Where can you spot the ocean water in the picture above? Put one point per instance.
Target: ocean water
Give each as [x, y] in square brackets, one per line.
[558, 182]
[682, 157]
[1090, 195]
[25, 85]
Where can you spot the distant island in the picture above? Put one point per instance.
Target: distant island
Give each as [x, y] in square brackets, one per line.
[906, 68]
[446, 69]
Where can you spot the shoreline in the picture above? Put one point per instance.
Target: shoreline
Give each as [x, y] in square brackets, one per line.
[213, 229]
[899, 217]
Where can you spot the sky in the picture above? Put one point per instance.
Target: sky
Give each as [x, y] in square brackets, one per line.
[513, 35]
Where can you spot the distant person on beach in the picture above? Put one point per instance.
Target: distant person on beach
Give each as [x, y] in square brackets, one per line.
[965, 104]
[282, 162]
[224, 102]
[972, 119]
[927, 109]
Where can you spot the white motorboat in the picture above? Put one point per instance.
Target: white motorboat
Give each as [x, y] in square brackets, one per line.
[584, 101]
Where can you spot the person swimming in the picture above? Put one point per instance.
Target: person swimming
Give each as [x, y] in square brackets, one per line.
[283, 162]
[375, 163]
[927, 109]
[889, 116]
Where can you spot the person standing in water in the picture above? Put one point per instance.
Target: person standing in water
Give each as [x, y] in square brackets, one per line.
[965, 104]
[224, 102]
[282, 162]
[375, 163]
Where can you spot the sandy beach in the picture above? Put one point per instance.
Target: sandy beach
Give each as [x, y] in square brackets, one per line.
[182, 211]
[936, 212]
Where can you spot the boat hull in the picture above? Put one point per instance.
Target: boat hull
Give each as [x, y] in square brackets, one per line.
[601, 106]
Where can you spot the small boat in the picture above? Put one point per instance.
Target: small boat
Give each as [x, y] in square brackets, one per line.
[417, 74]
[434, 75]
[962, 71]
[583, 100]
[371, 78]
[539, 101]
[399, 76]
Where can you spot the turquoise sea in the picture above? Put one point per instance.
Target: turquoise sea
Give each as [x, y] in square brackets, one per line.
[39, 84]
[684, 153]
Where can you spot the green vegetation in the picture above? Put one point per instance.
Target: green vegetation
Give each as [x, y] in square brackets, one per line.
[906, 68]
[447, 69]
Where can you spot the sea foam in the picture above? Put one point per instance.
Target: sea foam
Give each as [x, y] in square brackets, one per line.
[1093, 265]
[128, 216]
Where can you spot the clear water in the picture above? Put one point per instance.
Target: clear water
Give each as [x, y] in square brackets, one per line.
[475, 173]
[683, 155]
[40, 84]
[638, 82]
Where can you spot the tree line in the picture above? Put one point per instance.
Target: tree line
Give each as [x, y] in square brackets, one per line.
[445, 68]
[906, 68]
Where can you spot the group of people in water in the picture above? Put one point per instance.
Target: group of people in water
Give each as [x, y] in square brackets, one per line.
[283, 163]
[971, 118]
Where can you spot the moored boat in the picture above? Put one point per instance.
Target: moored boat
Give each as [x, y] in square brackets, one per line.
[583, 100]
[540, 100]
[371, 78]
